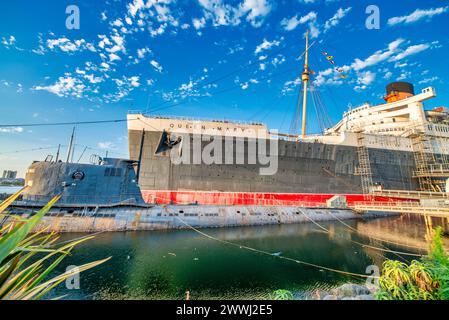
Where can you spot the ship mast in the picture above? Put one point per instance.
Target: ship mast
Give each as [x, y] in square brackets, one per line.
[305, 80]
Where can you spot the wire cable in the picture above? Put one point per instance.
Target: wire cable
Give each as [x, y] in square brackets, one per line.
[271, 255]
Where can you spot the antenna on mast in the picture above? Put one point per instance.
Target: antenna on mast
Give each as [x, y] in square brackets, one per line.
[305, 80]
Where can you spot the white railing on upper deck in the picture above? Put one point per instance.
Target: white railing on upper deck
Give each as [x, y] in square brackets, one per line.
[241, 122]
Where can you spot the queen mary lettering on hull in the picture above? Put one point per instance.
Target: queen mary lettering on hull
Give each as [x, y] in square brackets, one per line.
[371, 148]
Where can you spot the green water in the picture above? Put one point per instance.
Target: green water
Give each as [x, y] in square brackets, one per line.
[164, 265]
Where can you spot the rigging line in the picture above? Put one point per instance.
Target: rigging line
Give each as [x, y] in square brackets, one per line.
[326, 114]
[98, 149]
[270, 110]
[64, 123]
[323, 112]
[323, 108]
[287, 111]
[327, 88]
[236, 71]
[375, 238]
[263, 108]
[320, 121]
[362, 244]
[29, 150]
[271, 255]
[82, 154]
[296, 115]
[227, 89]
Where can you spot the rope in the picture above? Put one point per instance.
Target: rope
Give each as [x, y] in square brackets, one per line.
[375, 238]
[397, 253]
[362, 244]
[315, 106]
[270, 254]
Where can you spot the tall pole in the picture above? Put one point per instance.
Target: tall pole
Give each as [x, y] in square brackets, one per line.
[305, 80]
[70, 151]
[57, 153]
[139, 161]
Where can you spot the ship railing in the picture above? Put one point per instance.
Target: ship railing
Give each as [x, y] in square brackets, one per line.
[408, 203]
[135, 112]
[224, 120]
[410, 193]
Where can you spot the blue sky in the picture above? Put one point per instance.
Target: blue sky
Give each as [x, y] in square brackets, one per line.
[205, 59]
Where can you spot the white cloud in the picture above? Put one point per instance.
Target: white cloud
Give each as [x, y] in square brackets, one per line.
[199, 23]
[266, 45]
[11, 130]
[411, 50]
[404, 76]
[292, 23]
[366, 78]
[393, 53]
[92, 79]
[156, 65]
[417, 15]
[310, 19]
[141, 53]
[388, 75]
[113, 57]
[186, 86]
[69, 46]
[221, 14]
[428, 80]
[291, 85]
[107, 145]
[134, 81]
[134, 7]
[335, 20]
[105, 66]
[257, 10]
[378, 56]
[8, 42]
[64, 87]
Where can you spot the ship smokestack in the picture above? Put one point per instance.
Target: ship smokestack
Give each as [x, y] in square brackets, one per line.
[398, 91]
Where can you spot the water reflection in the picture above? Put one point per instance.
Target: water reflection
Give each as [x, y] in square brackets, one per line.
[164, 265]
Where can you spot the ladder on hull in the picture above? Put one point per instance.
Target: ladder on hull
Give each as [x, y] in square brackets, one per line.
[364, 167]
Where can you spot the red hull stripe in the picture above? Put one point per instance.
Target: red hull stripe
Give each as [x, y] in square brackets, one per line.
[248, 198]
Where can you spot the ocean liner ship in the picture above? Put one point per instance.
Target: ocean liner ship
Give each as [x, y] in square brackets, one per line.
[397, 145]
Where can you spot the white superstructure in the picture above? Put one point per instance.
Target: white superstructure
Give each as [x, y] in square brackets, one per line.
[398, 118]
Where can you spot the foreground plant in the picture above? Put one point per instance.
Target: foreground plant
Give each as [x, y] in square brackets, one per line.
[26, 259]
[427, 279]
[281, 295]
